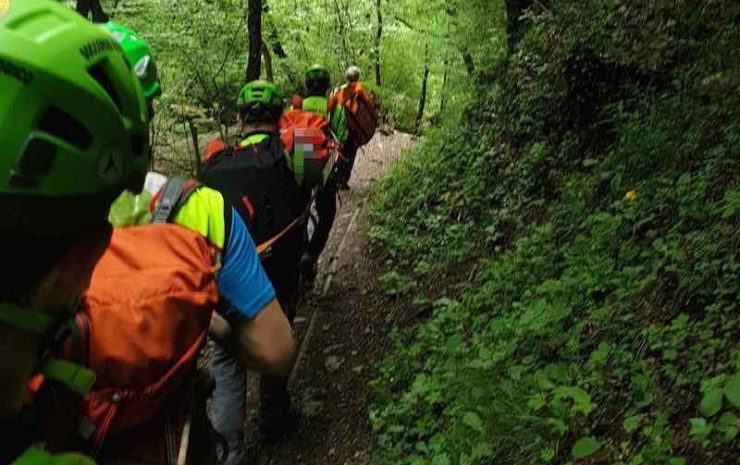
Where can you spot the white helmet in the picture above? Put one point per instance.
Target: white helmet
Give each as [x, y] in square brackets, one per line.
[352, 74]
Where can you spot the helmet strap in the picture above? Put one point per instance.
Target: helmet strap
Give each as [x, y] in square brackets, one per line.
[30, 321]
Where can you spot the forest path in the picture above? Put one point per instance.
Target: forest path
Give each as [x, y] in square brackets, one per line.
[342, 328]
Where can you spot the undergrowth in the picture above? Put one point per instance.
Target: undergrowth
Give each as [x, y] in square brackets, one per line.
[591, 190]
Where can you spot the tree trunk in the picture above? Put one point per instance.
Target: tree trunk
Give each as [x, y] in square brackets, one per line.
[84, 7]
[254, 28]
[423, 98]
[267, 56]
[515, 26]
[196, 147]
[378, 37]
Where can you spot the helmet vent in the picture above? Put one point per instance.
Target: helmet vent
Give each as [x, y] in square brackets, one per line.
[36, 160]
[101, 77]
[66, 127]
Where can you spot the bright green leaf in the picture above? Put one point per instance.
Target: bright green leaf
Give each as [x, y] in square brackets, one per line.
[732, 390]
[677, 461]
[547, 454]
[581, 399]
[711, 403]
[600, 355]
[536, 402]
[585, 447]
[729, 425]
[700, 429]
[631, 424]
[473, 420]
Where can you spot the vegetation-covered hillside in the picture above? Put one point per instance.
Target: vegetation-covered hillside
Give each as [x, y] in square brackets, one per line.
[568, 245]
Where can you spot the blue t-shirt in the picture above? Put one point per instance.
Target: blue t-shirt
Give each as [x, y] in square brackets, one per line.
[242, 280]
[243, 286]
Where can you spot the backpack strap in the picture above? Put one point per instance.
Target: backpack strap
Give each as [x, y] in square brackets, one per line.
[175, 193]
[214, 148]
[331, 105]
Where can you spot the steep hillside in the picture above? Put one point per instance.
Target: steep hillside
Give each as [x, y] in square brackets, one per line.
[568, 249]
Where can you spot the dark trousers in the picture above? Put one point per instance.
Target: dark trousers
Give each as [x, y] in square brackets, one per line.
[326, 211]
[284, 275]
[345, 168]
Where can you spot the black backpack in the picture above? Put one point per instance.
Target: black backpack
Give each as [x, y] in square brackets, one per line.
[258, 183]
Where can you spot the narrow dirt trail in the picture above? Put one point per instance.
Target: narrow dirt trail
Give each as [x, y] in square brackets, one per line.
[342, 328]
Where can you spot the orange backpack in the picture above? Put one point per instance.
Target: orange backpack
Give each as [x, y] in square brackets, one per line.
[307, 138]
[361, 110]
[145, 320]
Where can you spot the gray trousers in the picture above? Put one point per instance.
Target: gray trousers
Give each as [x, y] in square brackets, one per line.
[228, 407]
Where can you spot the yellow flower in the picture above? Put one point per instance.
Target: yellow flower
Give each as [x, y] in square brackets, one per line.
[630, 196]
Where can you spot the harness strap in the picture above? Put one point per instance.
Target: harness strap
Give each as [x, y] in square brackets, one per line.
[302, 218]
[27, 320]
[75, 377]
[175, 193]
[169, 199]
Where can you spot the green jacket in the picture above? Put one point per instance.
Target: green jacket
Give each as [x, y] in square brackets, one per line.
[338, 119]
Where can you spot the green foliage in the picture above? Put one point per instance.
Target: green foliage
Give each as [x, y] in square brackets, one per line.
[590, 191]
[585, 447]
[201, 48]
[393, 284]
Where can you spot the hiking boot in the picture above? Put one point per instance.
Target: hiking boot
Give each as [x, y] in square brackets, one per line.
[278, 424]
[237, 452]
[308, 266]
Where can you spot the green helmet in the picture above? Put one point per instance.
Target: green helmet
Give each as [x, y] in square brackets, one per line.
[73, 123]
[139, 56]
[318, 76]
[260, 92]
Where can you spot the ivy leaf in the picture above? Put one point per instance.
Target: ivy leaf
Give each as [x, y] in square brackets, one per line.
[732, 390]
[699, 428]
[585, 447]
[711, 403]
[581, 399]
[677, 461]
[473, 420]
[600, 355]
[632, 423]
[729, 425]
